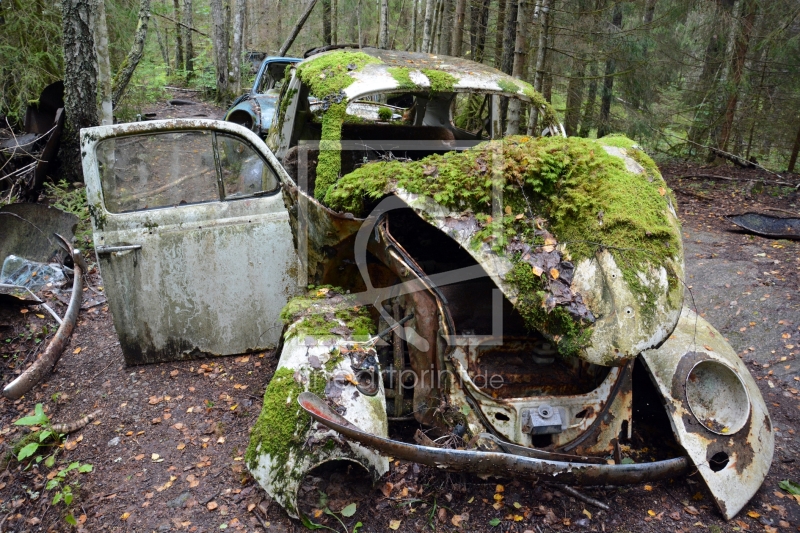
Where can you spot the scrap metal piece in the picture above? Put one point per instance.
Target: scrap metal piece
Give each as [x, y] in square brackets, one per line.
[28, 229]
[716, 410]
[493, 463]
[17, 295]
[768, 225]
[542, 420]
[48, 359]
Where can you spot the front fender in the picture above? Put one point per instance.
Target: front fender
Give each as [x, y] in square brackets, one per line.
[716, 410]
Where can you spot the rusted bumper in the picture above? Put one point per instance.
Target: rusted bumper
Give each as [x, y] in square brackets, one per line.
[493, 463]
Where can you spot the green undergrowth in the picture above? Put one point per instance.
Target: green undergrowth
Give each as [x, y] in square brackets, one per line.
[569, 186]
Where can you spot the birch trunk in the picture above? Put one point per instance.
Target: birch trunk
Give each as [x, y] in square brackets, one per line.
[105, 109]
[427, 27]
[383, 31]
[238, 36]
[188, 12]
[458, 28]
[128, 66]
[446, 32]
[541, 55]
[514, 106]
[178, 34]
[80, 82]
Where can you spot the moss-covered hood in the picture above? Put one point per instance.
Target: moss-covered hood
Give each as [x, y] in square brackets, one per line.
[580, 235]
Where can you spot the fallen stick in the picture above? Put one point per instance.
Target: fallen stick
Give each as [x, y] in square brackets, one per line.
[726, 178]
[71, 427]
[48, 359]
[584, 498]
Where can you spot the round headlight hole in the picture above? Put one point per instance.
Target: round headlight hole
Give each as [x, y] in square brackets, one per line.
[718, 461]
[717, 397]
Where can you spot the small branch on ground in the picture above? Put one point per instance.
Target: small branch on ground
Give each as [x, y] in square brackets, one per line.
[587, 499]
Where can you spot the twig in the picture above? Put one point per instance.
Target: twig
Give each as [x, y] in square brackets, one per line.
[261, 520]
[726, 178]
[182, 89]
[181, 23]
[210, 498]
[572, 492]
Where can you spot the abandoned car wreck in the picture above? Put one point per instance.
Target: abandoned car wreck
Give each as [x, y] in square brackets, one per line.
[519, 295]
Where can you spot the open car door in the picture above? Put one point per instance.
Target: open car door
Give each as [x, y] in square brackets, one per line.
[192, 237]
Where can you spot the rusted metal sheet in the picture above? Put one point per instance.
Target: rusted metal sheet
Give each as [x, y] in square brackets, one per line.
[768, 225]
[205, 278]
[28, 231]
[492, 463]
[717, 412]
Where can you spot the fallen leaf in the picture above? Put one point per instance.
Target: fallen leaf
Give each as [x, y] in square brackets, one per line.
[651, 512]
[211, 506]
[77, 350]
[154, 400]
[139, 457]
[40, 316]
[251, 506]
[70, 445]
[648, 487]
[697, 496]
[753, 514]
[707, 347]
[125, 516]
[394, 524]
[181, 446]
[174, 373]
[456, 520]
[588, 514]
[193, 481]
[554, 273]
[387, 489]
[691, 510]
[662, 191]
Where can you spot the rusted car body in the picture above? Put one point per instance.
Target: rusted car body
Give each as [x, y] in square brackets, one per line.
[511, 293]
[256, 108]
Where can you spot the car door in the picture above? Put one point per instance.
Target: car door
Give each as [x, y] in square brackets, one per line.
[191, 235]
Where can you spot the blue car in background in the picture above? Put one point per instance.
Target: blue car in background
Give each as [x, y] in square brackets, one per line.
[256, 109]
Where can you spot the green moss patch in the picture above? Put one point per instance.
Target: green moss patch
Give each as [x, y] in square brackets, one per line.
[326, 312]
[571, 187]
[402, 76]
[441, 82]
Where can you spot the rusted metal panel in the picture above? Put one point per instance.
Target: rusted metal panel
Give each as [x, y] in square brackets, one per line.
[203, 279]
[492, 463]
[768, 225]
[717, 412]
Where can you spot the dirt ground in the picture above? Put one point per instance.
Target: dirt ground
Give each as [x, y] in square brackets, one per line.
[167, 450]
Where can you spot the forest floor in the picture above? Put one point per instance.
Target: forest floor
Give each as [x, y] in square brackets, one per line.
[167, 451]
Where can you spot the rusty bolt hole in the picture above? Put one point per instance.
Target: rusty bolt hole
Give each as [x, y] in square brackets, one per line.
[718, 461]
[501, 416]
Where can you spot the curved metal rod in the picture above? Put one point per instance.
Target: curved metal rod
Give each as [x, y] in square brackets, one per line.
[497, 464]
[48, 359]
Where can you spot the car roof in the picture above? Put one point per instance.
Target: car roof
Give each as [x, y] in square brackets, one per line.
[469, 75]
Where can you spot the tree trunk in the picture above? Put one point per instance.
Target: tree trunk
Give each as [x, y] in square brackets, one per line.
[541, 55]
[238, 35]
[515, 105]
[742, 42]
[795, 149]
[604, 128]
[383, 31]
[327, 38]
[178, 34]
[334, 21]
[479, 15]
[220, 46]
[458, 28]
[105, 109]
[413, 46]
[128, 66]
[446, 34]
[162, 47]
[587, 122]
[649, 11]
[188, 13]
[80, 82]
[572, 115]
[427, 28]
[297, 27]
[500, 34]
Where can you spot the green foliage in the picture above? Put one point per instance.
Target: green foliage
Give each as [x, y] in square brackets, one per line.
[385, 114]
[790, 486]
[73, 200]
[62, 484]
[346, 512]
[31, 56]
